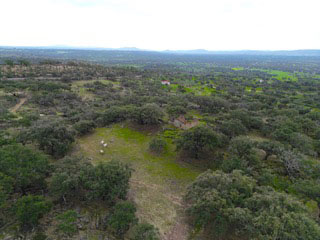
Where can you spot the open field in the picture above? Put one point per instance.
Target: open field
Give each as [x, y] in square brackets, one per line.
[158, 182]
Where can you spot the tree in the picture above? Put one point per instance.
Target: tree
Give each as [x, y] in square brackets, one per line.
[213, 197]
[233, 205]
[145, 231]
[54, 138]
[84, 126]
[303, 143]
[107, 181]
[233, 128]
[249, 121]
[9, 62]
[29, 209]
[277, 215]
[242, 156]
[197, 139]
[6, 188]
[65, 182]
[122, 217]
[149, 114]
[76, 178]
[113, 115]
[26, 167]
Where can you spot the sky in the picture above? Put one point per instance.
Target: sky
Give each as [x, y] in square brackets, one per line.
[162, 24]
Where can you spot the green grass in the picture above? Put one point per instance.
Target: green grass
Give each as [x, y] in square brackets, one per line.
[258, 90]
[280, 75]
[238, 69]
[78, 87]
[248, 89]
[158, 182]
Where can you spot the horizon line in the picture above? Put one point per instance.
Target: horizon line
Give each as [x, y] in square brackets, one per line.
[66, 47]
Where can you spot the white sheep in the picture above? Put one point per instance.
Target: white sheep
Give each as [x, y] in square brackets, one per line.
[102, 142]
[101, 151]
[105, 145]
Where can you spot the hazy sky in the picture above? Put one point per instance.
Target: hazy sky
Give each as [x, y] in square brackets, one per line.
[162, 24]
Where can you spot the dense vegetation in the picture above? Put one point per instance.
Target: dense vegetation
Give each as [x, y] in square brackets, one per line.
[250, 123]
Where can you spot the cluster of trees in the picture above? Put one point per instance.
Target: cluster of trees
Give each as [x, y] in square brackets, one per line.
[232, 204]
[263, 189]
[30, 186]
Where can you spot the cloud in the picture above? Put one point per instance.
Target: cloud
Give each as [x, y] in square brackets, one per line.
[166, 24]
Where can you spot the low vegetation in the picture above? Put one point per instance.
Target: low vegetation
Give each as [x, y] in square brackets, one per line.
[100, 149]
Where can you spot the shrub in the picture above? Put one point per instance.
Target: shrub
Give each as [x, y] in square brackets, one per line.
[233, 205]
[233, 128]
[122, 217]
[197, 139]
[242, 156]
[29, 209]
[65, 181]
[145, 231]
[113, 115]
[157, 145]
[54, 138]
[76, 178]
[67, 223]
[27, 168]
[84, 126]
[107, 181]
[149, 114]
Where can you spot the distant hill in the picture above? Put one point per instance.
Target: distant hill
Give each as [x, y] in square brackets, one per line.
[249, 52]
[307, 52]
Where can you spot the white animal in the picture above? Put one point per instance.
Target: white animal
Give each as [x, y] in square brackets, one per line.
[105, 145]
[101, 151]
[102, 142]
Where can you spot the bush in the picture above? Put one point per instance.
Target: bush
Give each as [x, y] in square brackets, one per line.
[157, 145]
[27, 168]
[113, 115]
[233, 205]
[78, 179]
[122, 217]
[6, 188]
[84, 126]
[149, 114]
[65, 181]
[107, 181]
[145, 231]
[233, 128]
[29, 209]
[40, 236]
[54, 138]
[197, 139]
[242, 156]
[303, 143]
[67, 223]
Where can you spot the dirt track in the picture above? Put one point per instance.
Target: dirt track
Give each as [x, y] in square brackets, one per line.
[18, 105]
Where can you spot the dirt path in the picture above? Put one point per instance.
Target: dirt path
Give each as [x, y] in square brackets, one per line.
[18, 105]
[179, 232]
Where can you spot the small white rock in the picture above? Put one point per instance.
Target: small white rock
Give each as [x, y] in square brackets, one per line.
[105, 145]
[102, 142]
[101, 151]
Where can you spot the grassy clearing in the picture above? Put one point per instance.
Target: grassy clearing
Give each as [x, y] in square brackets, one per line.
[248, 89]
[158, 181]
[258, 90]
[280, 75]
[238, 69]
[257, 137]
[78, 87]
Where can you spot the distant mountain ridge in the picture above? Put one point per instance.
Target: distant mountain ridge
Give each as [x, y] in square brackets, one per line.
[302, 52]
